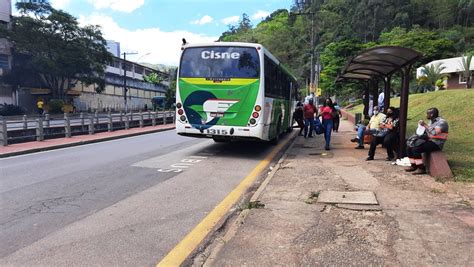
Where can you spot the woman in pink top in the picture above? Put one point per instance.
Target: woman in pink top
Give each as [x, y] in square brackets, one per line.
[327, 113]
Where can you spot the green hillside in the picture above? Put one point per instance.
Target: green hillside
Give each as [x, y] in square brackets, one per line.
[456, 106]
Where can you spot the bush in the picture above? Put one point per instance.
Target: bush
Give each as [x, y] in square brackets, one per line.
[55, 106]
[11, 110]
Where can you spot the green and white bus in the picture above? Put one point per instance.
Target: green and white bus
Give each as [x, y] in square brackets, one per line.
[230, 90]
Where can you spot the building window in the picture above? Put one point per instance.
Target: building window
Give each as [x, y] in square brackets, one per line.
[138, 70]
[116, 64]
[462, 78]
[4, 62]
[148, 72]
[128, 66]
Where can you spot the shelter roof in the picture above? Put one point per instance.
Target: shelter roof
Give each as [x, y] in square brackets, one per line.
[378, 62]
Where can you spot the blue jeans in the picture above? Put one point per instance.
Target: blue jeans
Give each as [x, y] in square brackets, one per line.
[328, 124]
[308, 123]
[360, 135]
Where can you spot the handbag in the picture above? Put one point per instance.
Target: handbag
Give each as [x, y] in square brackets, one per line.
[415, 141]
[368, 138]
[318, 126]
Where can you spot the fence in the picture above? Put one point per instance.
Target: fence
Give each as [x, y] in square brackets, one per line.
[39, 128]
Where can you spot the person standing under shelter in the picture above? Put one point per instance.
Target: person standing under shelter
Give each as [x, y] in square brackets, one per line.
[381, 101]
[40, 106]
[436, 134]
[327, 112]
[309, 112]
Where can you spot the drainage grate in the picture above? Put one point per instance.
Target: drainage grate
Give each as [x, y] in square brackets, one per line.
[358, 197]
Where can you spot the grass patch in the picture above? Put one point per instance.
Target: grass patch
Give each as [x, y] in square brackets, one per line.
[457, 107]
[252, 205]
[437, 191]
[312, 197]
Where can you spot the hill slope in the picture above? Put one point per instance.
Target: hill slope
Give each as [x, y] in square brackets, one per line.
[457, 107]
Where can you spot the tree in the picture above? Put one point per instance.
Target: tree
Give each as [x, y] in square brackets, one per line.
[433, 74]
[466, 71]
[426, 41]
[154, 78]
[53, 47]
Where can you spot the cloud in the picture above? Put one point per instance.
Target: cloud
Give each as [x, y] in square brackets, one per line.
[164, 47]
[204, 20]
[261, 14]
[230, 20]
[126, 6]
[60, 4]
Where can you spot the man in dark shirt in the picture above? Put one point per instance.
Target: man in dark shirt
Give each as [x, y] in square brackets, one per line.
[437, 133]
[298, 116]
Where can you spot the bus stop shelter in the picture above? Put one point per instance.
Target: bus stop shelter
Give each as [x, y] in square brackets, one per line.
[379, 64]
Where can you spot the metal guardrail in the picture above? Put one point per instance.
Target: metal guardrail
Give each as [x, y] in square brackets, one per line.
[76, 124]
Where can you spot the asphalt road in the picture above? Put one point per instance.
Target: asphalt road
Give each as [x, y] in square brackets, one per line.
[122, 202]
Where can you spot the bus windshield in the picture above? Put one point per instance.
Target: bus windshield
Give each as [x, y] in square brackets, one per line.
[220, 62]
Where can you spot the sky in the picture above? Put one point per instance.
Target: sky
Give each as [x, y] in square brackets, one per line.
[154, 28]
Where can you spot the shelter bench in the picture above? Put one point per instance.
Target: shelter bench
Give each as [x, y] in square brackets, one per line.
[437, 165]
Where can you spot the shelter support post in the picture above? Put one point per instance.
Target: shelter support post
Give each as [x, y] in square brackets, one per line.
[375, 92]
[366, 99]
[386, 99]
[404, 109]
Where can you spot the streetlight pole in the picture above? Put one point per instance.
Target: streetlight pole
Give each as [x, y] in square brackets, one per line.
[125, 77]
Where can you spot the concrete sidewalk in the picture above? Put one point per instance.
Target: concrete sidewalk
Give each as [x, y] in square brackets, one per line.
[418, 221]
[50, 144]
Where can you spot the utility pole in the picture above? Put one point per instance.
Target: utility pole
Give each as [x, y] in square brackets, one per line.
[312, 49]
[125, 77]
[301, 5]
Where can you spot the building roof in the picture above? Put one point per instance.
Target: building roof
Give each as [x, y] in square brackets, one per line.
[451, 65]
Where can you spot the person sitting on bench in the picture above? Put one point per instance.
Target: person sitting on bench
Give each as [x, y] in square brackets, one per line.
[371, 128]
[436, 134]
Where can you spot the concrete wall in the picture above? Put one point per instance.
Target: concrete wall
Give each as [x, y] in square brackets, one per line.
[112, 98]
[5, 10]
[95, 101]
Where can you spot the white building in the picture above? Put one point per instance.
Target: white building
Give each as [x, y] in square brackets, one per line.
[453, 68]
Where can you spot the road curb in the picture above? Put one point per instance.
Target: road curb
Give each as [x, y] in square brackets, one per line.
[235, 224]
[110, 138]
[200, 239]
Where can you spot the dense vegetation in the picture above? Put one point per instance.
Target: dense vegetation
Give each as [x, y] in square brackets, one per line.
[52, 49]
[342, 28]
